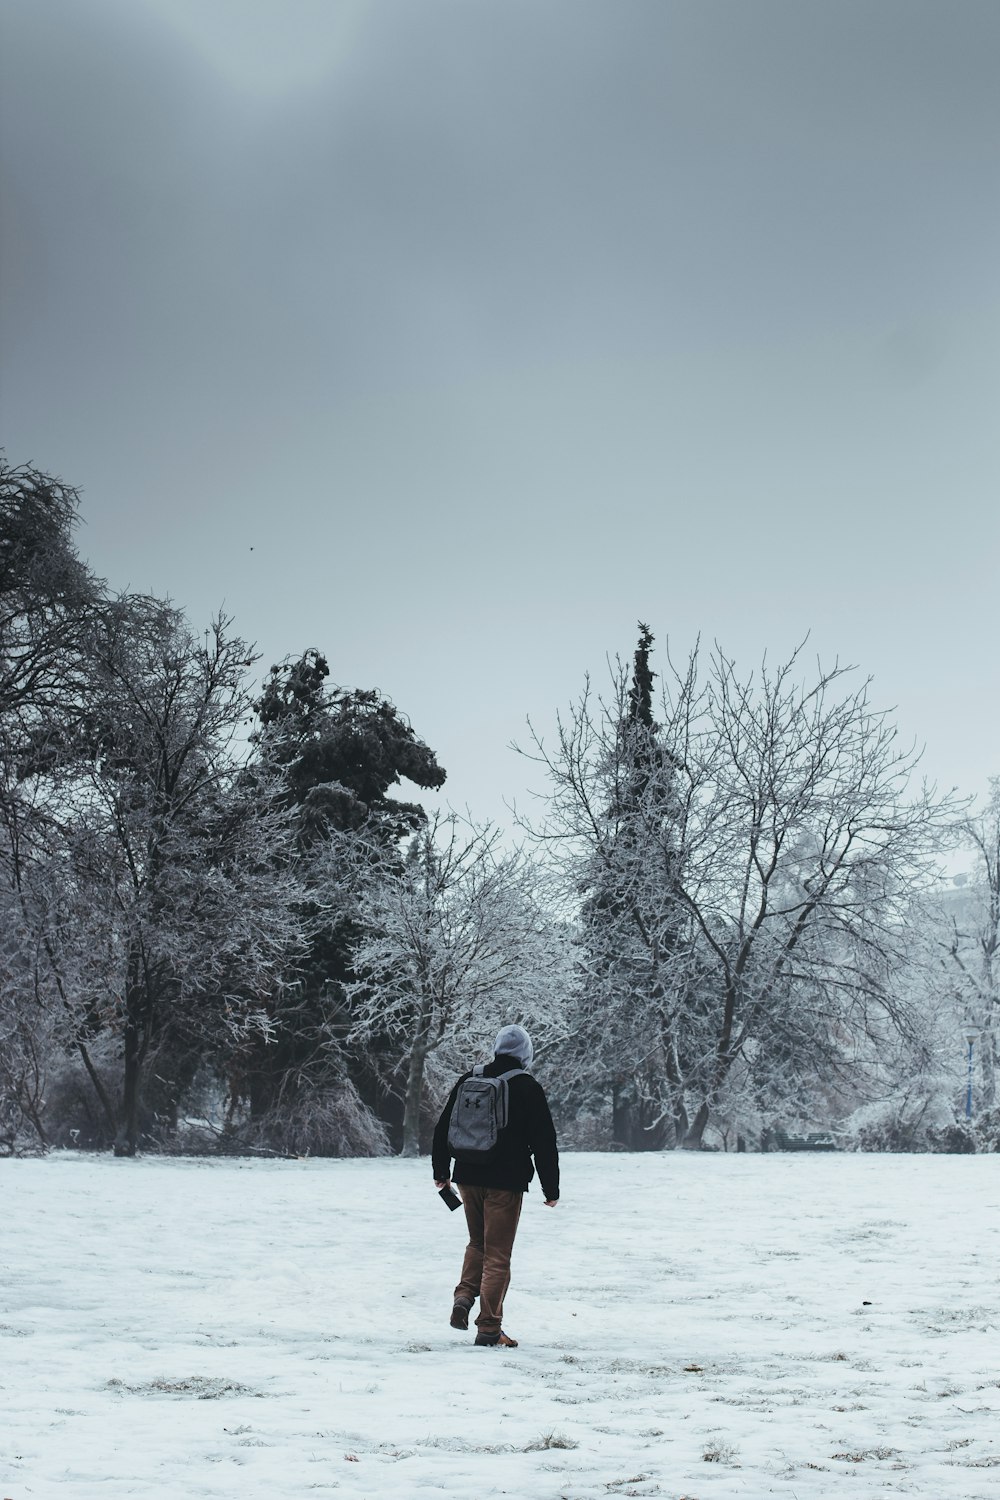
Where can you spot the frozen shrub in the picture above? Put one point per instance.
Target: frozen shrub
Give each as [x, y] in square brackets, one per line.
[331, 1121]
[986, 1130]
[956, 1139]
[73, 1117]
[908, 1125]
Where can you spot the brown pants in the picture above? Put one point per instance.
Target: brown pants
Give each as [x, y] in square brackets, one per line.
[492, 1215]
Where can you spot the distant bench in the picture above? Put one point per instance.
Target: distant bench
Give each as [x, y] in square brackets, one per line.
[776, 1139]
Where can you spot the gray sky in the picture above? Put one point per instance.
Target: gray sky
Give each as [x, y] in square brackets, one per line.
[494, 327]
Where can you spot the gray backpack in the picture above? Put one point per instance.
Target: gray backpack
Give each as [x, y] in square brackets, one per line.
[478, 1115]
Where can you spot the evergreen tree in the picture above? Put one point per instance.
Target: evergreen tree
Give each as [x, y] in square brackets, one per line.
[340, 752]
[632, 924]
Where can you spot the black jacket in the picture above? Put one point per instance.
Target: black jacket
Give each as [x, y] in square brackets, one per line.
[529, 1132]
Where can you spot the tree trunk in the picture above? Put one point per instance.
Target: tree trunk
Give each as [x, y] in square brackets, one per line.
[621, 1116]
[415, 1087]
[988, 1050]
[695, 1131]
[680, 1118]
[127, 1137]
[671, 1067]
[136, 1036]
[99, 1090]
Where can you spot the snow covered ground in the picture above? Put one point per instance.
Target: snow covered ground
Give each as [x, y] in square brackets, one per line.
[697, 1326]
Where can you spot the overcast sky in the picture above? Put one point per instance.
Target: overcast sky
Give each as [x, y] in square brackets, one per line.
[453, 338]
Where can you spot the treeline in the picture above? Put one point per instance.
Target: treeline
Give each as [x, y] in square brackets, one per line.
[223, 927]
[219, 925]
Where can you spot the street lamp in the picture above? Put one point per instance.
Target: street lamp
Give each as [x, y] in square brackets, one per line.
[970, 1036]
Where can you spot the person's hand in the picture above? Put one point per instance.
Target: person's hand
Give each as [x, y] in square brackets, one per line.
[551, 1202]
[440, 1185]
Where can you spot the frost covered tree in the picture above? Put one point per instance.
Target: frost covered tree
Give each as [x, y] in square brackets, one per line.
[27, 1043]
[624, 944]
[46, 596]
[44, 948]
[47, 601]
[454, 941]
[173, 860]
[774, 844]
[47, 605]
[341, 753]
[950, 977]
[971, 939]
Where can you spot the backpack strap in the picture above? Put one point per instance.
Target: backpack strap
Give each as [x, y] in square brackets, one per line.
[501, 1080]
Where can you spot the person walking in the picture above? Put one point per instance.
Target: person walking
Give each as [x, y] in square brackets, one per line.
[493, 1182]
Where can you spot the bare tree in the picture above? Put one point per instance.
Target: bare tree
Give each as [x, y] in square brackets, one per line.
[149, 904]
[454, 941]
[47, 605]
[27, 1044]
[971, 940]
[179, 865]
[752, 859]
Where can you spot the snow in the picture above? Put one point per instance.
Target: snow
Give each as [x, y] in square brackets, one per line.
[698, 1326]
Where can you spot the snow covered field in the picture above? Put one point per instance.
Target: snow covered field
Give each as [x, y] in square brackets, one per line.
[697, 1326]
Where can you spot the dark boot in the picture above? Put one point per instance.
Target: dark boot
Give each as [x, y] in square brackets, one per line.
[499, 1340]
[460, 1313]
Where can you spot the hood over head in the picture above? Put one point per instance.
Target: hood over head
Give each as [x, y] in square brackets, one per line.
[514, 1041]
